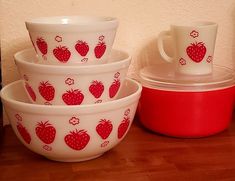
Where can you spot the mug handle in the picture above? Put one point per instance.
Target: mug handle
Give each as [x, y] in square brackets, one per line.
[163, 54]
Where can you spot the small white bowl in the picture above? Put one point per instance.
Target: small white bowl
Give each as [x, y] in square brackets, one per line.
[72, 85]
[75, 133]
[77, 40]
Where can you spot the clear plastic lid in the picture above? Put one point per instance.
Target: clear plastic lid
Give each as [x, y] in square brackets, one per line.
[163, 77]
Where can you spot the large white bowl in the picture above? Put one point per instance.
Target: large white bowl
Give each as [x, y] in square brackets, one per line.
[77, 40]
[73, 133]
[72, 85]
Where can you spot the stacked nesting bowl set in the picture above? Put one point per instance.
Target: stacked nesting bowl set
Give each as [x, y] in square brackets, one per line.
[73, 102]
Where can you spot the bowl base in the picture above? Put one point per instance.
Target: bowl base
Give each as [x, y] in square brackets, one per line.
[74, 159]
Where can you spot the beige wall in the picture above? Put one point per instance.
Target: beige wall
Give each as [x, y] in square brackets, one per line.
[140, 23]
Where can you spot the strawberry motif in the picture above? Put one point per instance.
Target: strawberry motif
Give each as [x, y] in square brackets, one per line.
[46, 90]
[73, 97]
[24, 133]
[45, 132]
[100, 49]
[122, 128]
[30, 91]
[82, 48]
[113, 89]
[77, 139]
[42, 45]
[96, 88]
[62, 53]
[196, 51]
[104, 128]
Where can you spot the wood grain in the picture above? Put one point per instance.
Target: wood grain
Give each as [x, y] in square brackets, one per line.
[142, 156]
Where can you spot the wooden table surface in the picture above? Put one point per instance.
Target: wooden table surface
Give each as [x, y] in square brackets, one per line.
[141, 156]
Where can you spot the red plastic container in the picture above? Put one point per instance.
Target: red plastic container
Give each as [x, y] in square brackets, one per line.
[186, 106]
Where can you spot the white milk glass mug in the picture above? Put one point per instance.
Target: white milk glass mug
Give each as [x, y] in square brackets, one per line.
[193, 45]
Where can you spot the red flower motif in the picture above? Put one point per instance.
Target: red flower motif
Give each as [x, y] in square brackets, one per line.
[98, 101]
[104, 144]
[84, 60]
[116, 75]
[101, 38]
[209, 59]
[25, 77]
[18, 117]
[47, 148]
[194, 34]
[69, 81]
[182, 61]
[58, 38]
[44, 57]
[74, 121]
[127, 112]
[47, 103]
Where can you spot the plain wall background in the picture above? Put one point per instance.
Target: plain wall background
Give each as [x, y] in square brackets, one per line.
[140, 23]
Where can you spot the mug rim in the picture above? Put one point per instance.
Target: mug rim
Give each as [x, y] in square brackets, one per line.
[199, 24]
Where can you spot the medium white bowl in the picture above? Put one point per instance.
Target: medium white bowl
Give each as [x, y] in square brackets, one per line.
[77, 40]
[73, 133]
[72, 85]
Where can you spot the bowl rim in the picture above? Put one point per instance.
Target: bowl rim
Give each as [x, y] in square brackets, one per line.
[21, 63]
[71, 23]
[76, 19]
[64, 109]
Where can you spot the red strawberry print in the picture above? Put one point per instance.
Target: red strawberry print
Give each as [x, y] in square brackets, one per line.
[24, 133]
[104, 128]
[196, 51]
[45, 132]
[122, 128]
[100, 49]
[73, 97]
[62, 53]
[96, 88]
[82, 48]
[77, 139]
[30, 91]
[47, 91]
[42, 45]
[113, 89]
